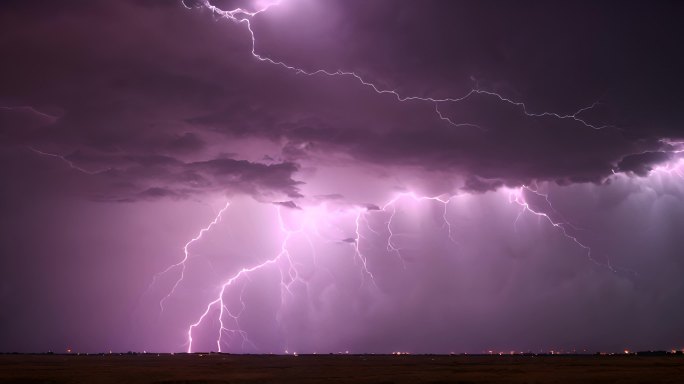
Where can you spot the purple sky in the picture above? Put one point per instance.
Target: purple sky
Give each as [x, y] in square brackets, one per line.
[376, 176]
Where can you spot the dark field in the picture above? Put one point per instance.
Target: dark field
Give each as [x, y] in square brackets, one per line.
[220, 368]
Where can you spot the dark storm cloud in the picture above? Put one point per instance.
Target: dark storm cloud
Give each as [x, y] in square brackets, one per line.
[641, 164]
[149, 77]
[276, 177]
[116, 105]
[287, 204]
[558, 58]
[129, 177]
[188, 142]
[372, 207]
[156, 193]
[149, 177]
[476, 184]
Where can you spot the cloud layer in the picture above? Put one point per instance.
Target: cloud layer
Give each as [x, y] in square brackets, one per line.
[149, 88]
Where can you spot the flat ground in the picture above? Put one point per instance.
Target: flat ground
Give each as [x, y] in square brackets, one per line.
[222, 368]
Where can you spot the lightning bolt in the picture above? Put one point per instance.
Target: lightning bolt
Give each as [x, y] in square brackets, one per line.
[186, 256]
[357, 244]
[242, 16]
[392, 203]
[288, 277]
[517, 196]
[51, 119]
[219, 302]
[673, 167]
[32, 110]
[70, 163]
[451, 122]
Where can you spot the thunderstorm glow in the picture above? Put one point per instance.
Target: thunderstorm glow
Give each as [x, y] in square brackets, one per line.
[296, 177]
[286, 262]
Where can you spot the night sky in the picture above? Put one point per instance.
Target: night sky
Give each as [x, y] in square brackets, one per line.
[333, 175]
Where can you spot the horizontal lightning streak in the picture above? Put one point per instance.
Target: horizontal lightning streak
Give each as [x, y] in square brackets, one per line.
[31, 110]
[70, 163]
[240, 15]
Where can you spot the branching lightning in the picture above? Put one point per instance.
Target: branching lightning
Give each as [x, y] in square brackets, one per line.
[186, 255]
[391, 204]
[240, 15]
[356, 242]
[284, 260]
[517, 196]
[288, 276]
